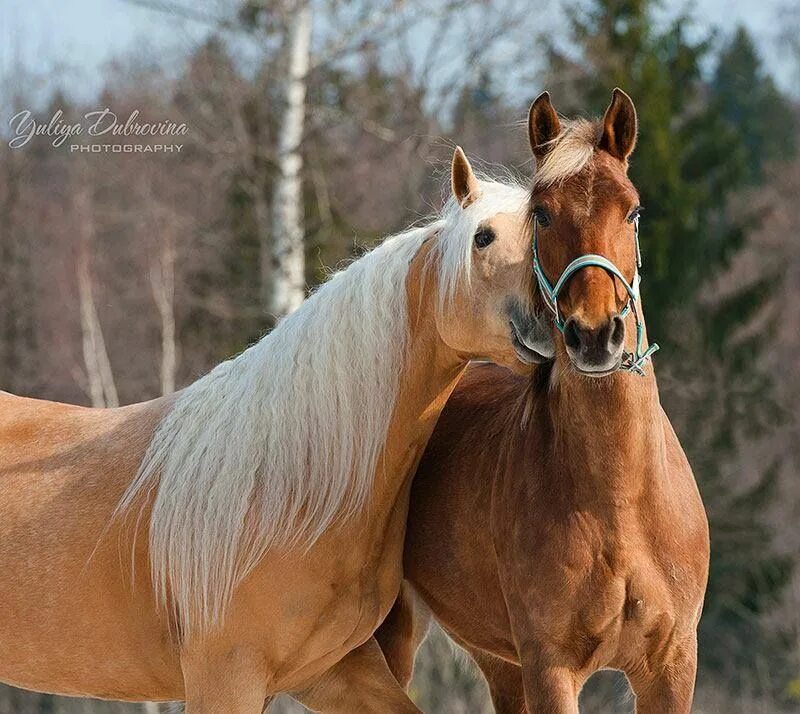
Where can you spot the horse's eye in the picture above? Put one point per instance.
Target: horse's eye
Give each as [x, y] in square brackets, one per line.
[483, 237]
[634, 214]
[541, 216]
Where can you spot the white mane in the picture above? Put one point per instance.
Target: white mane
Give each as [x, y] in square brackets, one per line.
[272, 447]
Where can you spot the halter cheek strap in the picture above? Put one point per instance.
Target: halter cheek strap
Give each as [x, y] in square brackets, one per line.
[630, 362]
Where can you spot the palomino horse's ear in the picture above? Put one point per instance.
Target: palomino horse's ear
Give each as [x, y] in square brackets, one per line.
[619, 126]
[466, 188]
[543, 125]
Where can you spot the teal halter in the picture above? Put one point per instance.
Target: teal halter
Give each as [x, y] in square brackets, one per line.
[630, 362]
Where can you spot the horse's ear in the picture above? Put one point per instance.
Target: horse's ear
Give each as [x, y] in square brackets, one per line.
[543, 125]
[619, 126]
[466, 188]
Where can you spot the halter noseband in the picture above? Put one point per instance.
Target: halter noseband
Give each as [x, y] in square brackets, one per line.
[630, 362]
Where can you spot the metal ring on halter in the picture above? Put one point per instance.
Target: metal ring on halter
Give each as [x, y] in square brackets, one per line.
[630, 362]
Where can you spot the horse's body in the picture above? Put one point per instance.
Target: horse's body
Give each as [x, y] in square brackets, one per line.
[169, 596]
[73, 621]
[555, 526]
[548, 529]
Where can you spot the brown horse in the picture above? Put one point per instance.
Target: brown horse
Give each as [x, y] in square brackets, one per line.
[555, 527]
[244, 537]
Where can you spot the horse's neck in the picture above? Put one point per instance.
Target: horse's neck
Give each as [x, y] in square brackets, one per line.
[429, 376]
[607, 434]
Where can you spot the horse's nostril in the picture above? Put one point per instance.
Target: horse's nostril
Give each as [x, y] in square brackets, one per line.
[595, 345]
[617, 333]
[572, 335]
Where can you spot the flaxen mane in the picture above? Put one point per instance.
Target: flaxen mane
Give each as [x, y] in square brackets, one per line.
[272, 447]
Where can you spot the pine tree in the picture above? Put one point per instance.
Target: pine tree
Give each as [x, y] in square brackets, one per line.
[750, 103]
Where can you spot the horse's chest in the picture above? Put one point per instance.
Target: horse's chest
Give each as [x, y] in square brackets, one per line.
[599, 601]
[623, 617]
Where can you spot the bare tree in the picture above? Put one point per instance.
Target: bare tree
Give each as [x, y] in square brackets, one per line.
[101, 387]
[162, 283]
[10, 187]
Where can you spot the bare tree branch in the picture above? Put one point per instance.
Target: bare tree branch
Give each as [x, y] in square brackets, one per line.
[188, 13]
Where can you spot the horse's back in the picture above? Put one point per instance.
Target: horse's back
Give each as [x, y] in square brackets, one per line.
[485, 387]
[449, 553]
[53, 427]
[477, 412]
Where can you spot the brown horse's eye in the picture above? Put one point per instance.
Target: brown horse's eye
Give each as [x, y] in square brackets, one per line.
[541, 216]
[634, 214]
[483, 237]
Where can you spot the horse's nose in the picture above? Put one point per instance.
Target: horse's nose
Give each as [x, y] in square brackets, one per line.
[595, 348]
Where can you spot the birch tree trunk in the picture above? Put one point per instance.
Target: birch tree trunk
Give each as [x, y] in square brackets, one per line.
[101, 386]
[283, 259]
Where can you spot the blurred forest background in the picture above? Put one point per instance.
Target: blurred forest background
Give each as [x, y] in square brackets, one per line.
[317, 126]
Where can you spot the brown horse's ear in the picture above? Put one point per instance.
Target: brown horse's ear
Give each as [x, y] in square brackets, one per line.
[466, 188]
[543, 125]
[619, 126]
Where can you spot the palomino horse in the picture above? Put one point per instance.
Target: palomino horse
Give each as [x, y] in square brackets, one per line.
[244, 537]
[555, 527]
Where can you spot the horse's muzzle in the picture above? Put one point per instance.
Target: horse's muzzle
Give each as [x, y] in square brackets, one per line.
[595, 350]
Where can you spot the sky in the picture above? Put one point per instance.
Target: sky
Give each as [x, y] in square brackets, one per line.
[72, 39]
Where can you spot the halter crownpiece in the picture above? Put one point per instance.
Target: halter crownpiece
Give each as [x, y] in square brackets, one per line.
[631, 362]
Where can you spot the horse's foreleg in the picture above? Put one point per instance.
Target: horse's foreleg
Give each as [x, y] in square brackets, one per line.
[361, 682]
[504, 680]
[402, 632]
[233, 681]
[671, 688]
[550, 692]
[548, 689]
